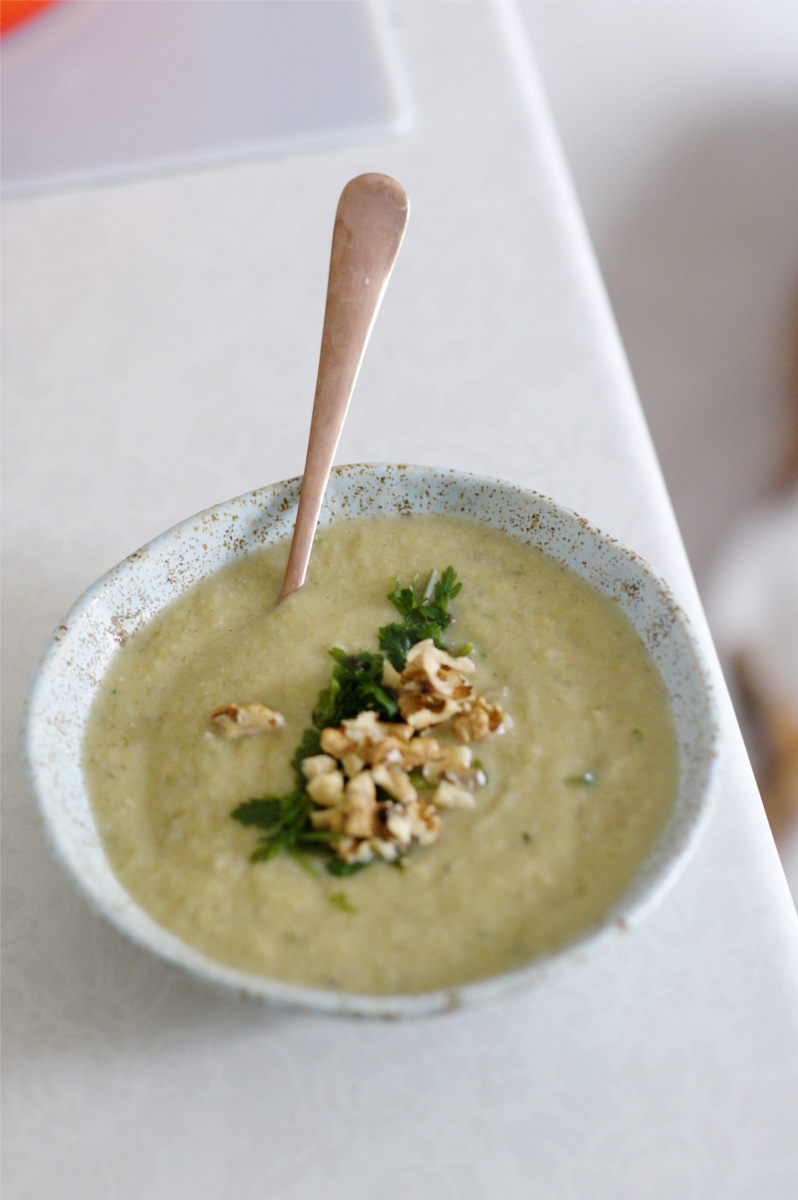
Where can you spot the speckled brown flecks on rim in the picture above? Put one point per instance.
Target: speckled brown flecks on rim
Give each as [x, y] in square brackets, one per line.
[77, 656]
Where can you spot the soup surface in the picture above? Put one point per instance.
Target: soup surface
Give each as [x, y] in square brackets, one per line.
[578, 788]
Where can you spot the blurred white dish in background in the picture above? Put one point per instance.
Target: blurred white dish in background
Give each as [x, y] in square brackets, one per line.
[752, 598]
[93, 92]
[752, 604]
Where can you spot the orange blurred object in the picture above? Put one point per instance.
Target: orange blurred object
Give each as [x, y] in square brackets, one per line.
[14, 12]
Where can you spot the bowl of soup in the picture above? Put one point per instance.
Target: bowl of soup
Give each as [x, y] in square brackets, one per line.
[531, 803]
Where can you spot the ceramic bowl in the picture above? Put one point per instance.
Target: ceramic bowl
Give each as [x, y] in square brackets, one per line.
[79, 652]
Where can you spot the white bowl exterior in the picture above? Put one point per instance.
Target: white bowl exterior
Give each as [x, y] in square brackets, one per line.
[74, 662]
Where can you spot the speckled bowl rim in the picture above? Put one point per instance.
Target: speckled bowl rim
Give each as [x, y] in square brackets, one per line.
[130, 594]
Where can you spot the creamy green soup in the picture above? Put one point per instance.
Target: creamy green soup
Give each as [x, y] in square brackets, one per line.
[578, 788]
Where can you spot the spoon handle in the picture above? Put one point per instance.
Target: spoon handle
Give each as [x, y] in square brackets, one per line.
[369, 227]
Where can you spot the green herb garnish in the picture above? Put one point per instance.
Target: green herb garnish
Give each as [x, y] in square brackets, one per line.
[309, 745]
[262, 813]
[339, 900]
[282, 818]
[424, 613]
[337, 866]
[356, 685]
[586, 780]
[285, 820]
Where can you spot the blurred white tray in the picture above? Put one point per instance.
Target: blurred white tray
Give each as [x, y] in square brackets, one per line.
[94, 90]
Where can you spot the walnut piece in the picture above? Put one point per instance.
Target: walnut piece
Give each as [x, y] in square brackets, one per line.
[351, 850]
[395, 782]
[420, 751]
[449, 762]
[327, 789]
[365, 728]
[399, 825]
[384, 848]
[318, 764]
[436, 671]
[360, 806]
[449, 795]
[234, 721]
[422, 710]
[366, 736]
[477, 719]
[426, 823]
[335, 742]
[352, 764]
[332, 819]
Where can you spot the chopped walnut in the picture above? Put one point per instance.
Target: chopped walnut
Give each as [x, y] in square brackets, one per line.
[420, 751]
[360, 806]
[449, 795]
[402, 733]
[478, 718]
[425, 822]
[384, 848]
[394, 749]
[475, 777]
[395, 782]
[436, 671]
[317, 764]
[454, 765]
[398, 823]
[352, 764]
[389, 750]
[327, 789]
[353, 850]
[365, 735]
[245, 720]
[332, 819]
[334, 742]
[366, 727]
[450, 761]
[422, 710]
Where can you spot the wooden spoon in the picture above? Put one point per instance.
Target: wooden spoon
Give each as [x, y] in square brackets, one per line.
[369, 227]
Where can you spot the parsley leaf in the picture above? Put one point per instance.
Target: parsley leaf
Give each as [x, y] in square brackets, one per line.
[308, 746]
[282, 818]
[425, 615]
[263, 813]
[356, 685]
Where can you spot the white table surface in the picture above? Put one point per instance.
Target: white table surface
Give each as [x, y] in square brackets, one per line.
[160, 346]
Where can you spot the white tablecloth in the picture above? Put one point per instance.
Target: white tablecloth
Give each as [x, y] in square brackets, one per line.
[160, 347]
